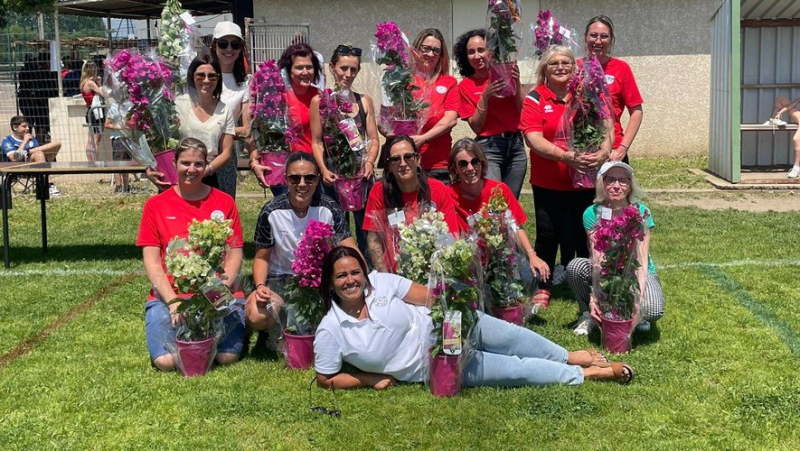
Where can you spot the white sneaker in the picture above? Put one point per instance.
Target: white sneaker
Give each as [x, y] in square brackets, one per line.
[794, 173]
[585, 325]
[559, 275]
[54, 190]
[778, 122]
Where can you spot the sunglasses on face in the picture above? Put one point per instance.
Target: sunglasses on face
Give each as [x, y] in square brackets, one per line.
[322, 410]
[310, 179]
[428, 49]
[602, 36]
[348, 50]
[200, 76]
[623, 181]
[236, 44]
[464, 164]
[395, 159]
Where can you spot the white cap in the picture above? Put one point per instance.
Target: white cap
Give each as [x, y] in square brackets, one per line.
[227, 29]
[614, 164]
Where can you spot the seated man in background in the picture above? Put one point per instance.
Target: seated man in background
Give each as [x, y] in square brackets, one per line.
[20, 145]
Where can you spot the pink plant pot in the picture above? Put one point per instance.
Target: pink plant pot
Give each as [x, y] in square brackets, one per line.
[616, 335]
[299, 351]
[404, 126]
[513, 315]
[165, 164]
[445, 376]
[502, 71]
[195, 356]
[350, 192]
[277, 162]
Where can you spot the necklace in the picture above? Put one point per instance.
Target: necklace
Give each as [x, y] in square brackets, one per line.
[355, 312]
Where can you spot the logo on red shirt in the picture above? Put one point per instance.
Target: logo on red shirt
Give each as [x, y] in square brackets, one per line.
[609, 79]
[548, 108]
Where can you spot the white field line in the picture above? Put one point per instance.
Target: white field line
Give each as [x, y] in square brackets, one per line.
[114, 272]
[732, 264]
[67, 272]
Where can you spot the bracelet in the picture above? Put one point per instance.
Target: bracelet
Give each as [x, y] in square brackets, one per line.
[260, 284]
[370, 162]
[623, 145]
[482, 110]
[530, 251]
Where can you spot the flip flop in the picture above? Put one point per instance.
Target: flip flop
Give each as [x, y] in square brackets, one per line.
[623, 373]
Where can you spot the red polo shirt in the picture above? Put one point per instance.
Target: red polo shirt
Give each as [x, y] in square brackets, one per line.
[623, 91]
[442, 95]
[543, 112]
[470, 207]
[501, 114]
[299, 114]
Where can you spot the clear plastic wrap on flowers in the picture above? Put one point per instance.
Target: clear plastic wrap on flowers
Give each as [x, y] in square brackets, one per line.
[454, 283]
[195, 263]
[179, 41]
[503, 38]
[417, 243]
[141, 85]
[588, 119]
[547, 32]
[403, 99]
[618, 273]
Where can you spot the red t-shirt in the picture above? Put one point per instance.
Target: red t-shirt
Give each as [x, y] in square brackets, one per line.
[300, 115]
[501, 114]
[168, 215]
[442, 95]
[376, 217]
[470, 207]
[542, 112]
[623, 91]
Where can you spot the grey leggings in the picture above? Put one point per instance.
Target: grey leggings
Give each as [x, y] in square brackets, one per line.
[579, 277]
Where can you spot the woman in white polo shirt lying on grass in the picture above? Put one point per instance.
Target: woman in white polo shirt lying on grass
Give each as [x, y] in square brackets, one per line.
[379, 324]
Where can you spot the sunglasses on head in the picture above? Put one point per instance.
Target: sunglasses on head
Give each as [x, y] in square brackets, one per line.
[322, 410]
[236, 44]
[200, 76]
[409, 157]
[348, 50]
[463, 164]
[310, 179]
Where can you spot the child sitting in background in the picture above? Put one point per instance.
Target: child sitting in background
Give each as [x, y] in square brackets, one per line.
[21, 146]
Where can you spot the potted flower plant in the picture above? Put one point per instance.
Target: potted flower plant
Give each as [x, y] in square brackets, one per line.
[399, 107]
[195, 263]
[547, 32]
[454, 284]
[615, 279]
[418, 241]
[303, 301]
[273, 133]
[143, 87]
[178, 41]
[503, 22]
[495, 228]
[343, 145]
[587, 121]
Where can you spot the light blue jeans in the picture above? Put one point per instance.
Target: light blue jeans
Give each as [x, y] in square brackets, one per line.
[508, 161]
[507, 355]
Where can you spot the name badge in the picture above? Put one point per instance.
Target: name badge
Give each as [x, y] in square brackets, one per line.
[605, 213]
[397, 218]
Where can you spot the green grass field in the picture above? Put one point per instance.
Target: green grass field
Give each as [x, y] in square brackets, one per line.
[719, 371]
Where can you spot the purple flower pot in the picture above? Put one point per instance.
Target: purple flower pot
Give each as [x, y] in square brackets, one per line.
[299, 351]
[350, 192]
[277, 162]
[404, 126]
[195, 356]
[445, 376]
[165, 164]
[513, 315]
[502, 71]
[616, 335]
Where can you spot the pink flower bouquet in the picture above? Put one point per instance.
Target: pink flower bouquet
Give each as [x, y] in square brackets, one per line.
[503, 36]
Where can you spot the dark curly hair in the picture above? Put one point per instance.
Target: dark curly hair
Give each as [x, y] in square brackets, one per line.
[460, 51]
[300, 49]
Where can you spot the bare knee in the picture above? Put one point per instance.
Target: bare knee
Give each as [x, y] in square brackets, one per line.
[257, 317]
[164, 363]
[226, 358]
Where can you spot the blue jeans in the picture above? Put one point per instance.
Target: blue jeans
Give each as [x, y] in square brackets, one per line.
[507, 355]
[508, 161]
[161, 335]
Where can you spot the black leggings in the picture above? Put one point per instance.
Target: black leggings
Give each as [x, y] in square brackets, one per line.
[559, 220]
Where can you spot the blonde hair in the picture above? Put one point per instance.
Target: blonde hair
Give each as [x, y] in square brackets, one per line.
[635, 194]
[443, 66]
[548, 55]
[88, 72]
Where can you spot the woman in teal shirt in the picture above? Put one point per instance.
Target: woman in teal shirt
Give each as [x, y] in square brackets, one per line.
[616, 189]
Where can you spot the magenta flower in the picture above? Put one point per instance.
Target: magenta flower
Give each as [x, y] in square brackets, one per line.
[315, 243]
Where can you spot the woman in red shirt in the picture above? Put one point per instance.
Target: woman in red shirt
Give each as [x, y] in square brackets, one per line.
[95, 115]
[403, 190]
[471, 188]
[599, 36]
[494, 120]
[559, 206]
[440, 90]
[302, 69]
[167, 216]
